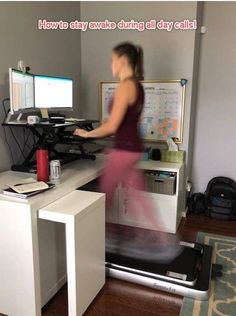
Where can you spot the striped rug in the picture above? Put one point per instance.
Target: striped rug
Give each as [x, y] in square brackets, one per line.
[222, 299]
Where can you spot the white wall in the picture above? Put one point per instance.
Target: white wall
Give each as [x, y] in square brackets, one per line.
[214, 145]
[167, 55]
[54, 52]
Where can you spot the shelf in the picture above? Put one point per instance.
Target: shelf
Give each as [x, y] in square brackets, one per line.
[159, 165]
[159, 195]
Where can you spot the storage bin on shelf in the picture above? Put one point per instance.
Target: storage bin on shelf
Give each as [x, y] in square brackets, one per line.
[161, 182]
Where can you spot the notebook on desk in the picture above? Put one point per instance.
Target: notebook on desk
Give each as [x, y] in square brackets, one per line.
[12, 193]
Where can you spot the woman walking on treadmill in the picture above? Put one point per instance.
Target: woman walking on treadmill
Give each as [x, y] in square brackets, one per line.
[125, 109]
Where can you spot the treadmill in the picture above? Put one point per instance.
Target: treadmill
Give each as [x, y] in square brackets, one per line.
[189, 274]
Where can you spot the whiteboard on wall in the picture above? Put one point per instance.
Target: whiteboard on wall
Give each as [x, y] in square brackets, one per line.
[163, 112]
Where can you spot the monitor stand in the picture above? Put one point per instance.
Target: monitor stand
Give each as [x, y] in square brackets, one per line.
[44, 114]
[19, 117]
[15, 118]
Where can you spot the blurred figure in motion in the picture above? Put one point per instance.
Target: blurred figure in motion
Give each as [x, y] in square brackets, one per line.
[121, 164]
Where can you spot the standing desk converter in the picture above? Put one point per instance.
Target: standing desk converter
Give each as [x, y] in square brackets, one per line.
[48, 135]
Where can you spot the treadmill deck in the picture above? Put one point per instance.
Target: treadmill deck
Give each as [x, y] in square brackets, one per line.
[188, 274]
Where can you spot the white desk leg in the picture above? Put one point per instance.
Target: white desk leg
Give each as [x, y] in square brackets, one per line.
[85, 246]
[19, 261]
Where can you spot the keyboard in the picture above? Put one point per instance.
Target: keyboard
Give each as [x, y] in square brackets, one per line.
[72, 137]
[74, 119]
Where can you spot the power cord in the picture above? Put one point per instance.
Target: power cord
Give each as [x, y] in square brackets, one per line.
[4, 131]
[3, 104]
[13, 135]
[26, 145]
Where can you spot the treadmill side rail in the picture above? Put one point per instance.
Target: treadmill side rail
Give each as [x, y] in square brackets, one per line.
[158, 285]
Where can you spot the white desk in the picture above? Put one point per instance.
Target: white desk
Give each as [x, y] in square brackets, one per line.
[27, 242]
[19, 244]
[83, 214]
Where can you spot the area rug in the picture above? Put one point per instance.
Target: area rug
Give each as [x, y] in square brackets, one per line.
[222, 298]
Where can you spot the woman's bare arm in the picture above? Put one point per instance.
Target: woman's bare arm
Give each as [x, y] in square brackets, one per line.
[124, 96]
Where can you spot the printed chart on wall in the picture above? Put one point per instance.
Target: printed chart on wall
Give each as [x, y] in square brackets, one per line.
[163, 112]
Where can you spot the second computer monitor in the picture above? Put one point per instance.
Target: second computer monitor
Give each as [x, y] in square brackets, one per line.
[21, 91]
[53, 92]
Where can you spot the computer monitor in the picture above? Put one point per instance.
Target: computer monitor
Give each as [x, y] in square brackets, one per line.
[21, 91]
[53, 92]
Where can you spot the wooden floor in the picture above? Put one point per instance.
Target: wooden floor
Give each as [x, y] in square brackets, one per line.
[119, 298]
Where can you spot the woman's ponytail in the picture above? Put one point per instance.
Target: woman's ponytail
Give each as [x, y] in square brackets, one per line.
[139, 63]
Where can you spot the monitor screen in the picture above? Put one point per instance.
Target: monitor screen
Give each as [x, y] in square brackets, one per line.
[21, 90]
[53, 92]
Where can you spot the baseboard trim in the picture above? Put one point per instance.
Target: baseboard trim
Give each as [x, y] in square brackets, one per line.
[50, 293]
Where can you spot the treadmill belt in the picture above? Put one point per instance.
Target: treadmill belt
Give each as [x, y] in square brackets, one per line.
[184, 267]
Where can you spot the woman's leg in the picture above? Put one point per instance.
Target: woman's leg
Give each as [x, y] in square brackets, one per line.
[117, 167]
[141, 206]
[121, 168]
[140, 203]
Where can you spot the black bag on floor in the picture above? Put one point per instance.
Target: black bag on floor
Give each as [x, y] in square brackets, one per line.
[197, 203]
[221, 198]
